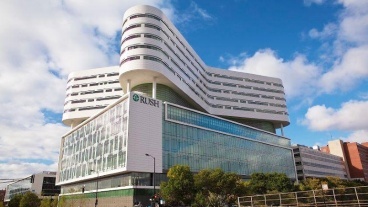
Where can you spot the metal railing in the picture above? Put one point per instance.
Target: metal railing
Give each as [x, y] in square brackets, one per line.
[355, 196]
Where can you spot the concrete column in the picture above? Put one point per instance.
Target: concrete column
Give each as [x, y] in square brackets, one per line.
[282, 130]
[128, 86]
[154, 89]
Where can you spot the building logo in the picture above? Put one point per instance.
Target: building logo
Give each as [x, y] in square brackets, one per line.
[135, 97]
[146, 100]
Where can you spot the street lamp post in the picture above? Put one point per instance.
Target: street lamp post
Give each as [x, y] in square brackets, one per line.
[96, 201]
[154, 172]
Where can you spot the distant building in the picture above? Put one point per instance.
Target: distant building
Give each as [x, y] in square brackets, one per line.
[2, 196]
[355, 155]
[42, 184]
[314, 163]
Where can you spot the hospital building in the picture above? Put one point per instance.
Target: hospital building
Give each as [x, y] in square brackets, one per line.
[162, 106]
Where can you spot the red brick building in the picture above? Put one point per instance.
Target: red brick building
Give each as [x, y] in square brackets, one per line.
[357, 159]
[354, 154]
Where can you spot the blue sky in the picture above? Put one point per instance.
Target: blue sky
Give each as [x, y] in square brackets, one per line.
[319, 48]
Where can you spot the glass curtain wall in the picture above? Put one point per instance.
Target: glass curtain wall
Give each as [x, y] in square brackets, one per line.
[201, 142]
[19, 187]
[99, 145]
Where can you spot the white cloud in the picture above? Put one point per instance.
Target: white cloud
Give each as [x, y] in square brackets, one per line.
[359, 136]
[21, 170]
[221, 59]
[29, 147]
[328, 31]
[41, 43]
[203, 13]
[342, 66]
[106, 17]
[363, 95]
[354, 22]
[357, 5]
[351, 116]
[347, 73]
[191, 15]
[310, 2]
[349, 48]
[38, 141]
[297, 74]
[354, 28]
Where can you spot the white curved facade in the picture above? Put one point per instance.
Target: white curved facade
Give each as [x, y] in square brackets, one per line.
[154, 51]
[89, 91]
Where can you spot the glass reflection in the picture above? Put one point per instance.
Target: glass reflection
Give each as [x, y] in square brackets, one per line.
[98, 145]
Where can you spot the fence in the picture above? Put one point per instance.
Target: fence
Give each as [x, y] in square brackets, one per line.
[356, 196]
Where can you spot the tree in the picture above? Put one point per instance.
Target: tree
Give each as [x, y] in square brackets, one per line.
[15, 201]
[46, 202]
[310, 184]
[214, 185]
[356, 183]
[261, 183]
[333, 182]
[62, 201]
[279, 182]
[179, 189]
[258, 183]
[216, 200]
[29, 200]
[49, 202]
[200, 200]
[54, 202]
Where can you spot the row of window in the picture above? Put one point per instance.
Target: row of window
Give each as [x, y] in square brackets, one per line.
[324, 159]
[153, 47]
[319, 153]
[93, 76]
[92, 99]
[209, 81]
[84, 108]
[313, 172]
[93, 91]
[196, 119]
[158, 28]
[247, 80]
[213, 82]
[341, 168]
[92, 84]
[128, 179]
[211, 74]
[156, 59]
[167, 45]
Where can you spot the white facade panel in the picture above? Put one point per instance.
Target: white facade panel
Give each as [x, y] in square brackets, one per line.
[144, 134]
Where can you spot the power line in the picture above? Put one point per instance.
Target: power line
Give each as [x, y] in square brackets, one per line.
[10, 180]
[7, 181]
[4, 180]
